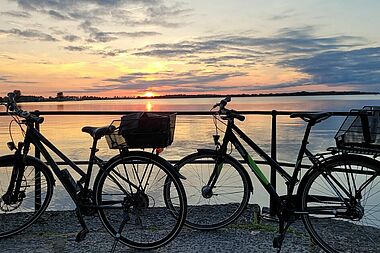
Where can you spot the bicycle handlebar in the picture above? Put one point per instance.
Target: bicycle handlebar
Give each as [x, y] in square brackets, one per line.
[232, 114]
[12, 107]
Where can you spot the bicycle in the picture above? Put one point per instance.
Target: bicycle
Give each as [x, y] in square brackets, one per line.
[127, 193]
[335, 191]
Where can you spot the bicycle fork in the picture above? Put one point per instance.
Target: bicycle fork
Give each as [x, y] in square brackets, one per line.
[13, 193]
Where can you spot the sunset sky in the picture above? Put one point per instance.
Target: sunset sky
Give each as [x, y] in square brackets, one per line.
[127, 48]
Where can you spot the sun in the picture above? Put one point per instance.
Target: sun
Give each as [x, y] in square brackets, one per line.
[149, 94]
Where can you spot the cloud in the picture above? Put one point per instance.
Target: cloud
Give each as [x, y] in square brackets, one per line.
[17, 14]
[237, 51]
[192, 80]
[147, 12]
[7, 57]
[359, 68]
[7, 79]
[96, 35]
[70, 4]
[287, 41]
[29, 34]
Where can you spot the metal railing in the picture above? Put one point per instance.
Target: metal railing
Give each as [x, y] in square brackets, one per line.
[273, 137]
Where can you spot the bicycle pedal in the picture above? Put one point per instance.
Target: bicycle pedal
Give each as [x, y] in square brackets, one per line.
[81, 235]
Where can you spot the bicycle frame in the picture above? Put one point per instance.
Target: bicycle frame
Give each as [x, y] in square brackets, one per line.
[33, 136]
[290, 180]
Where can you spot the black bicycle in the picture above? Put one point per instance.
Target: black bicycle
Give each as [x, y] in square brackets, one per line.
[338, 197]
[127, 192]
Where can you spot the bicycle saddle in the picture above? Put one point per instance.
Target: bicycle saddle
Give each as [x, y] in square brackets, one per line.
[98, 132]
[311, 116]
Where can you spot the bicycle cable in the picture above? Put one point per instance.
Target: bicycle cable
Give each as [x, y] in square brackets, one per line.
[16, 120]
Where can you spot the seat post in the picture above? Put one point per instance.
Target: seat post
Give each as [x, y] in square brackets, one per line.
[305, 139]
[91, 162]
[301, 152]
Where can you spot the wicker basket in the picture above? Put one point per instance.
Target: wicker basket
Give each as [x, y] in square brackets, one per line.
[360, 131]
[143, 130]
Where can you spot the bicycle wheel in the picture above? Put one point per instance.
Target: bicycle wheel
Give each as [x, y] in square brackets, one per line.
[213, 208]
[32, 200]
[131, 203]
[342, 202]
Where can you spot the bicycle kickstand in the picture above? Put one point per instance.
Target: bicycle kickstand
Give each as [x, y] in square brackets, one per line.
[82, 234]
[278, 240]
[118, 234]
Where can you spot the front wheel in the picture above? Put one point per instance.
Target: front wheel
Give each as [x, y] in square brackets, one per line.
[33, 197]
[341, 199]
[130, 199]
[213, 207]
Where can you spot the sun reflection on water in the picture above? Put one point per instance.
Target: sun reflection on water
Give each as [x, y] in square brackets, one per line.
[149, 106]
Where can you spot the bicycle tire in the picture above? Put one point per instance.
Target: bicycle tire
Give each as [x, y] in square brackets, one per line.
[140, 217]
[21, 214]
[213, 212]
[332, 224]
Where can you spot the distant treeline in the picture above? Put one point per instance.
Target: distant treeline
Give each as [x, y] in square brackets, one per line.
[301, 93]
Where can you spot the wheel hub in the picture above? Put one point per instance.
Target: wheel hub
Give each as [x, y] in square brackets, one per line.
[357, 212]
[207, 192]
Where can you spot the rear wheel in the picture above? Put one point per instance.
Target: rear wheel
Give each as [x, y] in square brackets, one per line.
[213, 208]
[35, 193]
[342, 202]
[130, 196]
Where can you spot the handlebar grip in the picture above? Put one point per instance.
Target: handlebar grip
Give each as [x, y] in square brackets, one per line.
[37, 119]
[236, 115]
[224, 101]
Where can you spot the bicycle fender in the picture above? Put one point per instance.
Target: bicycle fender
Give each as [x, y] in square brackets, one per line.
[211, 151]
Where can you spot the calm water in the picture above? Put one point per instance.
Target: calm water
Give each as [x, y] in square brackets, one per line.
[192, 131]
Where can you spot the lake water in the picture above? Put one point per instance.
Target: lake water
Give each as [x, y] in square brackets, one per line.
[192, 132]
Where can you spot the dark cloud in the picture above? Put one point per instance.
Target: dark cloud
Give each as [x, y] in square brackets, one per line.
[30, 34]
[58, 15]
[76, 48]
[69, 4]
[284, 15]
[154, 12]
[108, 52]
[358, 68]
[3, 78]
[71, 37]
[109, 36]
[43, 62]
[17, 14]
[96, 35]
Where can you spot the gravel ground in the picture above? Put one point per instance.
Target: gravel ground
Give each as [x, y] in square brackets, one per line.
[56, 231]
